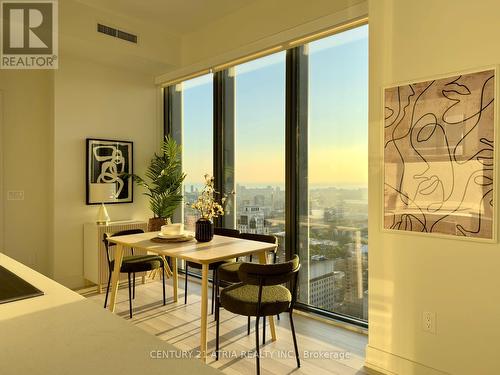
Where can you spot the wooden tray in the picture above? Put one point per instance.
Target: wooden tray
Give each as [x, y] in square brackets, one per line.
[173, 240]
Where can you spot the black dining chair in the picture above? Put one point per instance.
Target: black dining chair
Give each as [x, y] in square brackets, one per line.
[212, 267]
[261, 293]
[228, 273]
[132, 264]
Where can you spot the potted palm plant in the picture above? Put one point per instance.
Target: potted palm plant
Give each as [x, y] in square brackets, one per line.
[163, 183]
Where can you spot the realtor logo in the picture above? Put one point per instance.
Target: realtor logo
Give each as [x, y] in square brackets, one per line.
[29, 35]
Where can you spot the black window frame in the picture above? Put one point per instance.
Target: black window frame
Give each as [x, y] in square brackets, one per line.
[296, 144]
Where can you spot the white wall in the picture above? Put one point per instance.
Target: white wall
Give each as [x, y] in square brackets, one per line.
[95, 101]
[260, 25]
[103, 88]
[410, 274]
[27, 164]
[259, 20]
[156, 50]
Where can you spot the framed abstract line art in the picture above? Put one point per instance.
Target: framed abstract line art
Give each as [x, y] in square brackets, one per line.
[439, 156]
[107, 162]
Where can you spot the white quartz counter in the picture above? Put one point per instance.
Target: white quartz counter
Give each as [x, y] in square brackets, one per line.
[63, 333]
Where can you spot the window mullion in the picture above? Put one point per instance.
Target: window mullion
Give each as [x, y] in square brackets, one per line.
[223, 154]
[296, 190]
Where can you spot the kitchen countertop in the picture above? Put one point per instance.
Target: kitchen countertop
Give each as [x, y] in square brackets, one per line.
[63, 333]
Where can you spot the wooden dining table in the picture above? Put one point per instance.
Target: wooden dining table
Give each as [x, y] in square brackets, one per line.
[205, 253]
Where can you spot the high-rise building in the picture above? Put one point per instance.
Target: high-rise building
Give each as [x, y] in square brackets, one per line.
[251, 220]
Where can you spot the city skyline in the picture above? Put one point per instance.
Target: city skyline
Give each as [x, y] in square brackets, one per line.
[199, 185]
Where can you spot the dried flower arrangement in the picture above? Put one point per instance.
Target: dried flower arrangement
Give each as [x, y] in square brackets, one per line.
[207, 204]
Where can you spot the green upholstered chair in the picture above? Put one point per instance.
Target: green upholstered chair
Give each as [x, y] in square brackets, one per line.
[212, 267]
[228, 272]
[261, 294]
[132, 264]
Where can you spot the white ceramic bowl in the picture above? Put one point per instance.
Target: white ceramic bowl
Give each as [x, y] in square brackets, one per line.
[172, 229]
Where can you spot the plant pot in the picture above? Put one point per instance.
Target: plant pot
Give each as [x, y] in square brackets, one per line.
[204, 230]
[155, 224]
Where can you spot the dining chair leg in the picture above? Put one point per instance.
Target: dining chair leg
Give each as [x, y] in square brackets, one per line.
[263, 330]
[248, 326]
[257, 350]
[294, 339]
[133, 286]
[278, 316]
[213, 289]
[129, 295]
[186, 284]
[217, 317]
[163, 281]
[107, 290]
[216, 294]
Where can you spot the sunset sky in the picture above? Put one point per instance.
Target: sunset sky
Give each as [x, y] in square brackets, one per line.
[338, 116]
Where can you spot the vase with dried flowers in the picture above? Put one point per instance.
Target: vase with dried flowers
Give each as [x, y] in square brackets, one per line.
[209, 208]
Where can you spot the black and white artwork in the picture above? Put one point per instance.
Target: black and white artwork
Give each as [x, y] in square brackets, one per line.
[439, 156]
[107, 163]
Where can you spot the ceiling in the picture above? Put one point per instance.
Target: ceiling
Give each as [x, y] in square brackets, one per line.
[174, 16]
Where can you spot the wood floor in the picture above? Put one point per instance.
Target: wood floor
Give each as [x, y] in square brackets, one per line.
[342, 351]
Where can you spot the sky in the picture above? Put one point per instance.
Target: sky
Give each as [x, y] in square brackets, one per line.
[338, 116]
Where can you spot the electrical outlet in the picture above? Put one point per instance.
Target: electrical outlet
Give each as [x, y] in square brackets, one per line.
[429, 322]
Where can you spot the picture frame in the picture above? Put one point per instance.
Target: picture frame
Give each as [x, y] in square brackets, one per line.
[106, 161]
[429, 166]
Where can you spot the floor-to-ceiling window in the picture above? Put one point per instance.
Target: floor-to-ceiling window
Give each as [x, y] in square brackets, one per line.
[197, 129]
[249, 106]
[259, 146]
[338, 174]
